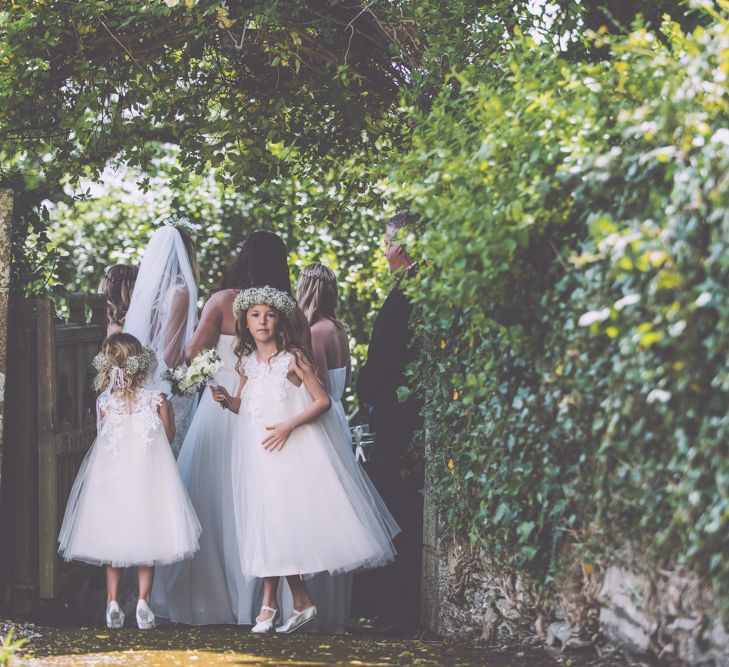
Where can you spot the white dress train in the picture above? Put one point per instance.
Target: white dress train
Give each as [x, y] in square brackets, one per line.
[298, 511]
[128, 505]
[209, 589]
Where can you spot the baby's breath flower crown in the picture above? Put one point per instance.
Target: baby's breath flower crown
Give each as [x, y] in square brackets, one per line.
[180, 223]
[267, 296]
[133, 365]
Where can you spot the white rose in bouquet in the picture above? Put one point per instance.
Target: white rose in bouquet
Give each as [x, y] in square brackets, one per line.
[184, 380]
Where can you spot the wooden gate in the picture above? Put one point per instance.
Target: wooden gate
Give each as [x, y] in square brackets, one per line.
[50, 424]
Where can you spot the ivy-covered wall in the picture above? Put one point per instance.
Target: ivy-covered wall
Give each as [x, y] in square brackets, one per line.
[573, 307]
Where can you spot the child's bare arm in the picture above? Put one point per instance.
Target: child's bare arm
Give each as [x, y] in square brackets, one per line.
[279, 433]
[167, 416]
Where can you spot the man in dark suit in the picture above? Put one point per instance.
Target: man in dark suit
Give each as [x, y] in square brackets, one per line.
[392, 594]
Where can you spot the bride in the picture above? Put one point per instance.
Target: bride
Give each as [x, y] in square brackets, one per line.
[163, 311]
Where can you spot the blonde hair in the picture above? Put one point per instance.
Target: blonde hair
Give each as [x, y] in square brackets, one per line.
[317, 293]
[116, 350]
[117, 286]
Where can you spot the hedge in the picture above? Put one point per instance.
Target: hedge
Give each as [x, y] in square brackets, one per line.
[573, 307]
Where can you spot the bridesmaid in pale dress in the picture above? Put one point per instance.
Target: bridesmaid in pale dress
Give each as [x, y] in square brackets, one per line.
[210, 589]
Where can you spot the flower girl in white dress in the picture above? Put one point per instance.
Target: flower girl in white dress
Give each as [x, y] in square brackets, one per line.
[297, 509]
[128, 505]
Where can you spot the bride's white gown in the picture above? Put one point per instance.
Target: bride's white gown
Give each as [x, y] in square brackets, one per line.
[209, 588]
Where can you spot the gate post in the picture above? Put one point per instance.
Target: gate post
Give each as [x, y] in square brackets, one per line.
[6, 230]
[47, 466]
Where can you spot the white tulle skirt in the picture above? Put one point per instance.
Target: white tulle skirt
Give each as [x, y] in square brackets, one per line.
[332, 594]
[128, 505]
[299, 511]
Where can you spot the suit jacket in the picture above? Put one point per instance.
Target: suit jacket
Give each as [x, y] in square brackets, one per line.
[393, 422]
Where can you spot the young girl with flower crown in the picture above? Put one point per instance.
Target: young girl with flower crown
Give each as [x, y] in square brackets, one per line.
[298, 510]
[128, 505]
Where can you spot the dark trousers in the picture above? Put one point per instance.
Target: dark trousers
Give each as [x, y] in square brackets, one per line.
[393, 592]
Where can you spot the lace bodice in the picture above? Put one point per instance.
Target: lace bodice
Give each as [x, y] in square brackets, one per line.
[116, 411]
[266, 383]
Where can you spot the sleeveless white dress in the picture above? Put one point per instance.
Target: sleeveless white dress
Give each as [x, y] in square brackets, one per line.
[298, 511]
[332, 594]
[209, 589]
[128, 505]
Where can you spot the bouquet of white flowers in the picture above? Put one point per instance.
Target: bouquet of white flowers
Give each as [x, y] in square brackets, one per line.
[185, 380]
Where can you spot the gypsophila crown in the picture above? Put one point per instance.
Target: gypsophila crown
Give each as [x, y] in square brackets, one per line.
[133, 365]
[179, 223]
[268, 296]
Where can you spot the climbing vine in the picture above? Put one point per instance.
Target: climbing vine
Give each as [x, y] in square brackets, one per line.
[574, 314]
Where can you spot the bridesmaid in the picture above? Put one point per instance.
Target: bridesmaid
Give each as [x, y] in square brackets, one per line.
[117, 286]
[210, 589]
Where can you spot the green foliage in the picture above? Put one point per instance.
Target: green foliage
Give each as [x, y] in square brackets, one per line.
[10, 647]
[574, 313]
[82, 82]
[34, 256]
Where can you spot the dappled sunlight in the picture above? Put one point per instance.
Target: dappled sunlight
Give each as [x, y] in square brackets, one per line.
[172, 658]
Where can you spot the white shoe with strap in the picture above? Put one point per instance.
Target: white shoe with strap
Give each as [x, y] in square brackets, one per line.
[297, 619]
[264, 626]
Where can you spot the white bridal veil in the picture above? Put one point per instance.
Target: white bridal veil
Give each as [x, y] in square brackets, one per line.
[163, 309]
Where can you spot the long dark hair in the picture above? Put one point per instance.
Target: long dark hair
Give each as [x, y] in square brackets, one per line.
[287, 338]
[263, 260]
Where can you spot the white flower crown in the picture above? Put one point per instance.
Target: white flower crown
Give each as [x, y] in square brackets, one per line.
[179, 223]
[268, 296]
[133, 365]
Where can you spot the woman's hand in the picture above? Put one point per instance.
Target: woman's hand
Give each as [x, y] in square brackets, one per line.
[277, 437]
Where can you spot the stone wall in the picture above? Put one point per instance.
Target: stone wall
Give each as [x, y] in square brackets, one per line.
[659, 614]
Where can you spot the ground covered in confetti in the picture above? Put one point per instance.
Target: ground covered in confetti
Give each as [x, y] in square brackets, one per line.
[210, 646]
